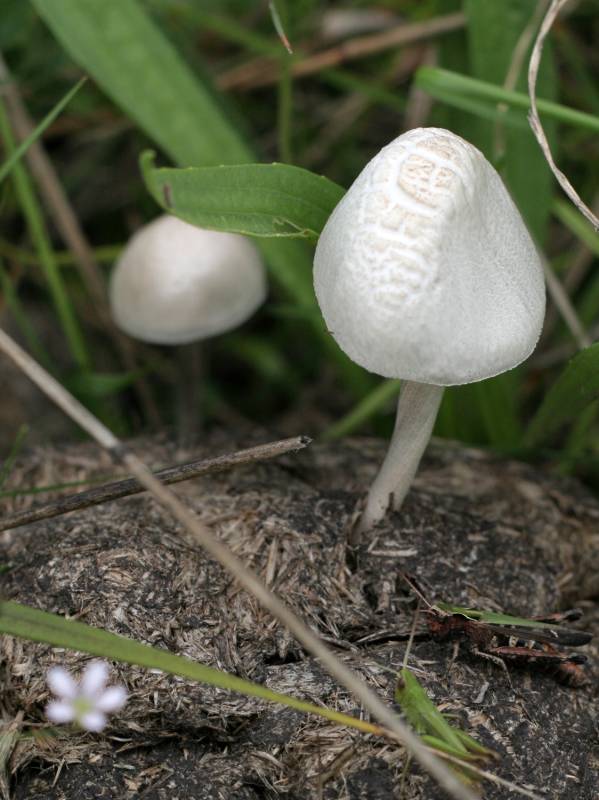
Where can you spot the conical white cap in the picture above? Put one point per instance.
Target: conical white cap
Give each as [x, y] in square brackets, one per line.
[425, 270]
[175, 283]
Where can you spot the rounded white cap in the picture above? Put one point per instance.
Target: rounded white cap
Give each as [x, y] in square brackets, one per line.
[425, 270]
[175, 283]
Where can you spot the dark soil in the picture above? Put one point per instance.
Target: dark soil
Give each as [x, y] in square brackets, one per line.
[474, 530]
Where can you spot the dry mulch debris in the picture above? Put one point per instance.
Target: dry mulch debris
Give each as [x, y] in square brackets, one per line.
[475, 530]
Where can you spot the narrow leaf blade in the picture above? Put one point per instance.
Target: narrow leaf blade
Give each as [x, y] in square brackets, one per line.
[22, 148]
[40, 626]
[575, 388]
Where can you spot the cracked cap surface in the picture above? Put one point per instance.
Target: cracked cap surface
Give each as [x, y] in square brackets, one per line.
[425, 270]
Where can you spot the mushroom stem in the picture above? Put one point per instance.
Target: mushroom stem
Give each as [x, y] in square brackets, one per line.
[189, 399]
[416, 413]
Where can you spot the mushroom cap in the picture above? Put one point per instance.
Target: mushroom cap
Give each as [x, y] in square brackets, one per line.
[175, 283]
[425, 270]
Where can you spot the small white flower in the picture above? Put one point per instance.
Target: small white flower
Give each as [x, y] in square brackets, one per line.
[87, 703]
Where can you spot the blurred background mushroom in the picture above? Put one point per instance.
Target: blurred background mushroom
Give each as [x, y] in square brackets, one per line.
[176, 284]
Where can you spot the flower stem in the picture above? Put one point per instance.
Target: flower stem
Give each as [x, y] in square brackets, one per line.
[416, 413]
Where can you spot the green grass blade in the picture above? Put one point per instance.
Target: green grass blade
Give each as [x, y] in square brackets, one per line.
[95, 385]
[106, 254]
[41, 626]
[422, 713]
[577, 224]
[253, 199]
[446, 85]
[11, 298]
[496, 399]
[8, 462]
[494, 31]
[35, 222]
[370, 405]
[425, 717]
[35, 134]
[574, 389]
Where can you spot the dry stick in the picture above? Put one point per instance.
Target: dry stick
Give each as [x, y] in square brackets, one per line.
[561, 353]
[229, 561]
[420, 103]
[67, 223]
[533, 117]
[491, 776]
[575, 273]
[129, 486]
[264, 71]
[353, 105]
[565, 307]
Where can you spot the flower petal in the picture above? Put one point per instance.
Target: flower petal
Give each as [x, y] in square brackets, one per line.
[92, 721]
[113, 699]
[94, 678]
[60, 711]
[61, 683]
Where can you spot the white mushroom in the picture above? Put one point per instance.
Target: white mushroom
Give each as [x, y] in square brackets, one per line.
[425, 271]
[176, 284]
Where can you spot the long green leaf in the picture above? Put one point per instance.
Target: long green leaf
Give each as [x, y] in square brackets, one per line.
[449, 86]
[575, 388]
[35, 134]
[118, 44]
[254, 199]
[40, 626]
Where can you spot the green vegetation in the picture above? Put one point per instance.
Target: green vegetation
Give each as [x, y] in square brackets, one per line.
[151, 105]
[184, 55]
[269, 111]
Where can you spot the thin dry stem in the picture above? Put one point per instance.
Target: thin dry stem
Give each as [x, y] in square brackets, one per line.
[244, 576]
[514, 70]
[129, 486]
[420, 103]
[534, 119]
[575, 273]
[264, 71]
[490, 776]
[348, 110]
[565, 307]
[561, 353]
